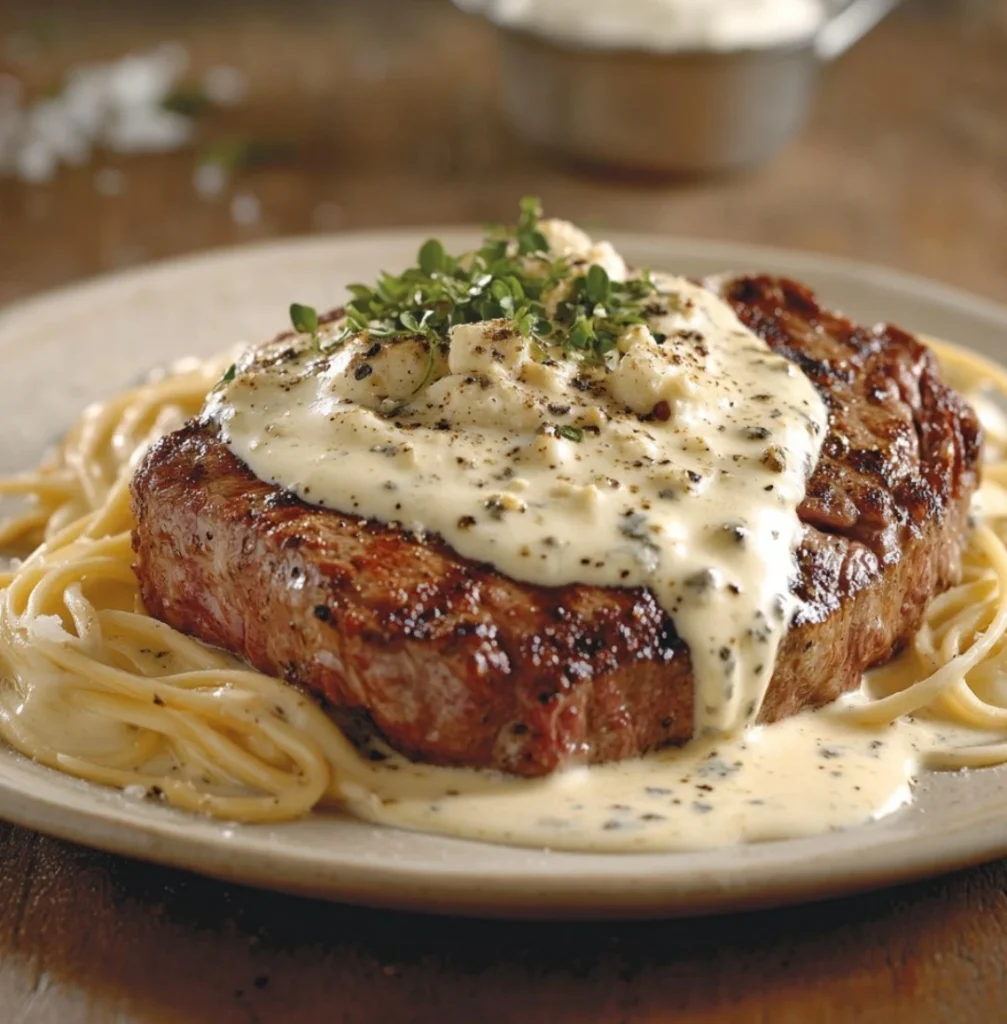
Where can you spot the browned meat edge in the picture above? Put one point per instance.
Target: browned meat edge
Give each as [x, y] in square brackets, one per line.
[457, 664]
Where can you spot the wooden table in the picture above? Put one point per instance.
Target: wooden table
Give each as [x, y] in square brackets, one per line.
[380, 113]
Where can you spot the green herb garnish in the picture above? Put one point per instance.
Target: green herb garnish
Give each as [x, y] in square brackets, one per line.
[229, 374]
[571, 433]
[305, 320]
[529, 238]
[566, 309]
[432, 257]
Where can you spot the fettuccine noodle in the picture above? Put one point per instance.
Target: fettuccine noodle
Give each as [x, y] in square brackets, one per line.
[98, 689]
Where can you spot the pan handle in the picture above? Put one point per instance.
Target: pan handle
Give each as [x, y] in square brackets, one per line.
[850, 25]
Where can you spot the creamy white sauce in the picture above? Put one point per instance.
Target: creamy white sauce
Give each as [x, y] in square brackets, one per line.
[695, 442]
[804, 776]
[800, 777]
[661, 25]
[677, 465]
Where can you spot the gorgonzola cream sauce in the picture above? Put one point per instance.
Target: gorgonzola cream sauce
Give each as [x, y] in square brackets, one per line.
[678, 464]
[802, 776]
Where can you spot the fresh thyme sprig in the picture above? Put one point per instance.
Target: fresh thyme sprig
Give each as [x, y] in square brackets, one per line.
[304, 320]
[511, 276]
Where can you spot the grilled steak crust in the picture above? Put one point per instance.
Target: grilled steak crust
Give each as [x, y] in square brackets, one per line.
[458, 664]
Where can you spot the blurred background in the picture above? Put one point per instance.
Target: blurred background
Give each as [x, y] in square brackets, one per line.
[242, 120]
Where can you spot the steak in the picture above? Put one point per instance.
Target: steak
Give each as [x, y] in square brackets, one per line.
[455, 663]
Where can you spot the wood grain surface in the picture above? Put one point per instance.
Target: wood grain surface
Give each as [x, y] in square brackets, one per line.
[366, 113]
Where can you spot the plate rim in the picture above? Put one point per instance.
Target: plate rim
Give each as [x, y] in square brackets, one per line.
[548, 898]
[397, 885]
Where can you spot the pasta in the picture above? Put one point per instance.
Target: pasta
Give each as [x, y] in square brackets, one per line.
[100, 690]
[96, 688]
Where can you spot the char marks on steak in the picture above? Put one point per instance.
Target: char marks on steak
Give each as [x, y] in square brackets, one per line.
[457, 664]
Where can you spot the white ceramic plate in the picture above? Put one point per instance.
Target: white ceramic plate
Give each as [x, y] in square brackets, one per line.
[60, 351]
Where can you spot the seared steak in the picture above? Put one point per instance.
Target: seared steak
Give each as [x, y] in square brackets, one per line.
[456, 664]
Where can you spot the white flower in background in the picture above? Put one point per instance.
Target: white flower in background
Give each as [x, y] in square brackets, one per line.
[110, 182]
[225, 86]
[117, 106]
[246, 210]
[209, 179]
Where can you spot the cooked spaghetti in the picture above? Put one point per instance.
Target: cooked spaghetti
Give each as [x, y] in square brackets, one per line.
[98, 689]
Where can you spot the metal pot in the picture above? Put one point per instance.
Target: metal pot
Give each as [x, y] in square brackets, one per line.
[682, 112]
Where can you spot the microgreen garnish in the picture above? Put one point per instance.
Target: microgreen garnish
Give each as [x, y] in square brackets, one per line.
[564, 308]
[529, 238]
[432, 257]
[428, 374]
[597, 286]
[304, 320]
